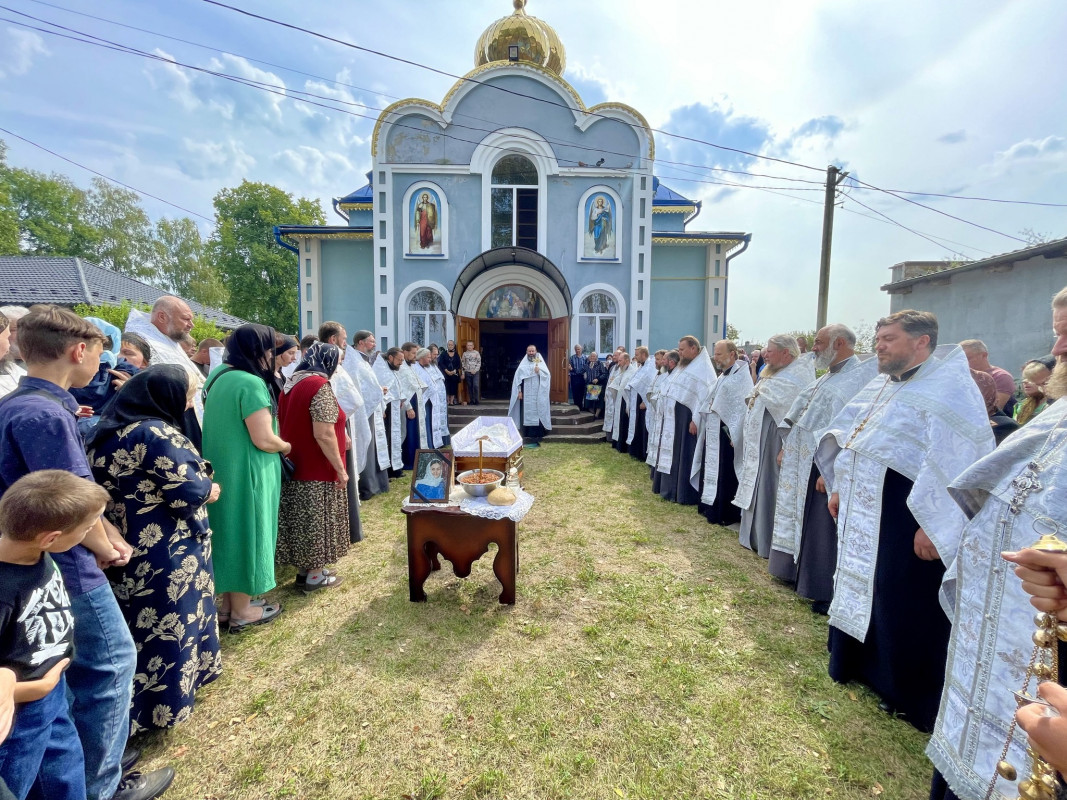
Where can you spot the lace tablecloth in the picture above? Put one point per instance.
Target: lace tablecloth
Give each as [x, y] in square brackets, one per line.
[480, 507]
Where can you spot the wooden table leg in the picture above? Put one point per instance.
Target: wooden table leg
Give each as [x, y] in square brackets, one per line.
[419, 564]
[506, 564]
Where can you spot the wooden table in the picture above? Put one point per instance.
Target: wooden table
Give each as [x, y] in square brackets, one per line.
[461, 538]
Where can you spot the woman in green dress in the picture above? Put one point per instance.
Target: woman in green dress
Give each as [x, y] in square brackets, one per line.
[242, 444]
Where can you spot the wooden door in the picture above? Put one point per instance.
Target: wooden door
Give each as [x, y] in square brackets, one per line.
[466, 331]
[558, 343]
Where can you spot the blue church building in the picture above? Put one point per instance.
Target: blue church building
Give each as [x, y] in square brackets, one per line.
[509, 214]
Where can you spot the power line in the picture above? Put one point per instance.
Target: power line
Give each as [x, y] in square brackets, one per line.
[336, 82]
[466, 79]
[900, 224]
[598, 151]
[302, 96]
[105, 177]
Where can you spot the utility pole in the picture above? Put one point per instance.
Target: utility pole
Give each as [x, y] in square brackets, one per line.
[834, 176]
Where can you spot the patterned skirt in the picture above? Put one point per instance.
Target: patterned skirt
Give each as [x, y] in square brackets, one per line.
[313, 527]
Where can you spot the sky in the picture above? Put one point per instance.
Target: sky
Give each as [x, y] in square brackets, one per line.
[945, 98]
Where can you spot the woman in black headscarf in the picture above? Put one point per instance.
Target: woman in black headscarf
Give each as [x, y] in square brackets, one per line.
[242, 443]
[313, 528]
[160, 488]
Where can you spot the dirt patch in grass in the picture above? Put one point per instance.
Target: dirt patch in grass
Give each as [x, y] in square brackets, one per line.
[648, 656]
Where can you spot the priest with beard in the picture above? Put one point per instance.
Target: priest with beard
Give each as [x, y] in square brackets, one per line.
[1009, 497]
[530, 406]
[387, 369]
[414, 391]
[719, 447]
[617, 413]
[374, 477]
[786, 373]
[656, 404]
[640, 384]
[434, 400]
[676, 443]
[804, 547]
[887, 459]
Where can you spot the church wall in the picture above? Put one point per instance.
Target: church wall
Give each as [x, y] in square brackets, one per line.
[668, 222]
[1006, 309]
[677, 306]
[463, 196]
[483, 110]
[346, 288]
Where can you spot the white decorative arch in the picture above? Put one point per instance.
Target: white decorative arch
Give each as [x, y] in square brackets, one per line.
[514, 273]
[621, 329]
[515, 141]
[402, 308]
[442, 222]
[616, 224]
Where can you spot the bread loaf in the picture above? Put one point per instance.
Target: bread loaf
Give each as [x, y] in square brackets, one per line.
[501, 496]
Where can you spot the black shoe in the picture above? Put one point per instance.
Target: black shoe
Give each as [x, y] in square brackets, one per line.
[145, 786]
[130, 756]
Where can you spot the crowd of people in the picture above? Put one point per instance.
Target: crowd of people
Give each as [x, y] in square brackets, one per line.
[883, 489]
[167, 479]
[150, 485]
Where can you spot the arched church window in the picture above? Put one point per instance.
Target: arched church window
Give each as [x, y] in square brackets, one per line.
[427, 318]
[598, 317]
[513, 214]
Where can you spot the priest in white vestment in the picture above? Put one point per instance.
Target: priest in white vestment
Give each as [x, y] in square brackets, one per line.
[529, 406]
[804, 545]
[786, 373]
[375, 461]
[719, 450]
[657, 402]
[676, 443]
[623, 373]
[387, 369]
[414, 391]
[434, 399]
[640, 386]
[887, 459]
[1009, 497]
[170, 319]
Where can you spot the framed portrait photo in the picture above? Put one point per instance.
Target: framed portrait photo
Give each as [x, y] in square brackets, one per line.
[431, 480]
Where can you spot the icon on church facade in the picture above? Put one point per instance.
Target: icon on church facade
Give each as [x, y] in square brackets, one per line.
[601, 224]
[425, 226]
[513, 302]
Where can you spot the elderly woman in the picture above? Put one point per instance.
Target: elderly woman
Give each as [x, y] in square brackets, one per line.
[1002, 425]
[241, 441]
[160, 488]
[1035, 376]
[313, 529]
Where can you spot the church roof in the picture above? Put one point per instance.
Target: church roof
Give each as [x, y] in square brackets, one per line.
[67, 281]
[362, 195]
[663, 195]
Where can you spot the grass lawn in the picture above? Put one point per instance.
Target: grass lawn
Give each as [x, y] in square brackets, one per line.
[648, 656]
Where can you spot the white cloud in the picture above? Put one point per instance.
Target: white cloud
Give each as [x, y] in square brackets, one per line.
[305, 165]
[17, 57]
[1051, 147]
[221, 162]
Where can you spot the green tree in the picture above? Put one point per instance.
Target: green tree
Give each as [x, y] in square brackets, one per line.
[732, 333]
[52, 214]
[181, 266]
[124, 231]
[9, 219]
[262, 277]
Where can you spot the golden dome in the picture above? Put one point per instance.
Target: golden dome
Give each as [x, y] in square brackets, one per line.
[537, 41]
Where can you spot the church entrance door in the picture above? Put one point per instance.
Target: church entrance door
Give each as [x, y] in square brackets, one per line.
[503, 346]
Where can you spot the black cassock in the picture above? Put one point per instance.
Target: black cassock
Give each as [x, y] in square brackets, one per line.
[722, 511]
[675, 486]
[373, 479]
[411, 441]
[639, 446]
[622, 430]
[817, 558]
[903, 657]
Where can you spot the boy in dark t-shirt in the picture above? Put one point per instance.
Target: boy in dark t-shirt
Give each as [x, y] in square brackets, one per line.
[49, 511]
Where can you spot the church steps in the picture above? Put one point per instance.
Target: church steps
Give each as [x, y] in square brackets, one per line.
[569, 424]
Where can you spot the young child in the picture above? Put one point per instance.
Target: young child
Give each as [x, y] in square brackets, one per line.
[49, 511]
